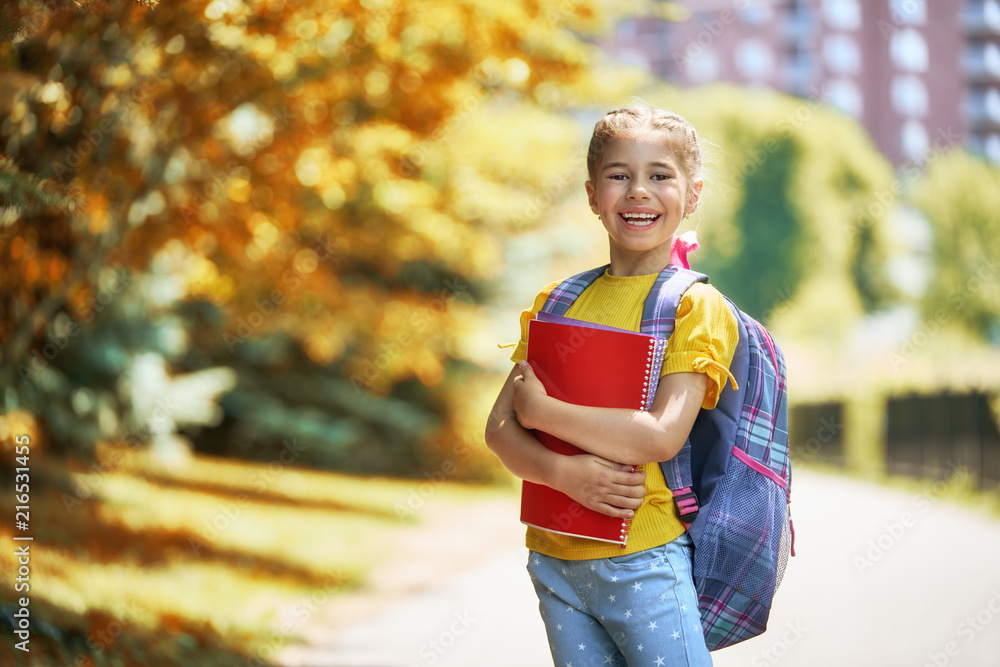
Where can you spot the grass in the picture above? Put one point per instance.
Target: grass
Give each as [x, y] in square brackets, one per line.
[209, 562]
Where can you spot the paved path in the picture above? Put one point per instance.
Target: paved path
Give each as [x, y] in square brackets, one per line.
[882, 578]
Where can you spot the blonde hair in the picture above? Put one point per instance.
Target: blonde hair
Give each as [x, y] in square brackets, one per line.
[634, 121]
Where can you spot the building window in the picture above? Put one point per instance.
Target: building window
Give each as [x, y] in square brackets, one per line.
[914, 140]
[842, 14]
[704, 67]
[991, 59]
[982, 59]
[754, 58]
[983, 105]
[842, 54]
[982, 14]
[800, 70]
[844, 94]
[992, 104]
[908, 12]
[909, 96]
[909, 50]
[991, 12]
[992, 148]
[756, 12]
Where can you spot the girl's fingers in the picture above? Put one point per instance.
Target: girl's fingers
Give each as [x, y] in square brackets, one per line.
[612, 510]
[631, 479]
[637, 491]
[628, 502]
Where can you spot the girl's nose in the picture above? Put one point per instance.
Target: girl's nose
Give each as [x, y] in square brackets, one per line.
[637, 191]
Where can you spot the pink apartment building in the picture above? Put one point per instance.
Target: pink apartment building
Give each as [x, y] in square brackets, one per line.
[919, 75]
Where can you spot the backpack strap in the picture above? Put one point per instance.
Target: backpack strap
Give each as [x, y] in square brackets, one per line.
[659, 317]
[567, 292]
[660, 308]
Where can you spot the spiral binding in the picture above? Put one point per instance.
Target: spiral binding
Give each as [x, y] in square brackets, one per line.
[657, 346]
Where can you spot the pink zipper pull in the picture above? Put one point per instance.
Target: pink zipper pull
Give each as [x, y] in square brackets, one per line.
[791, 528]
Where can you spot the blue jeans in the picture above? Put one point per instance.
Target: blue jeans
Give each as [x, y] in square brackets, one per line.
[624, 611]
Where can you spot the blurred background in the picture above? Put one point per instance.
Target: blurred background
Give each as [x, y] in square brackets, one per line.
[256, 258]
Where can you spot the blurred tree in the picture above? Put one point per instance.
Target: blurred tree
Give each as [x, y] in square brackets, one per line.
[770, 233]
[788, 225]
[276, 166]
[960, 195]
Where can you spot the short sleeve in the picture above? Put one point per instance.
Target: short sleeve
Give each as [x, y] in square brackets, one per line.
[704, 340]
[521, 350]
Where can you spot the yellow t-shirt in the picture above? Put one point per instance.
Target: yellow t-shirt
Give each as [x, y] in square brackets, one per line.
[704, 340]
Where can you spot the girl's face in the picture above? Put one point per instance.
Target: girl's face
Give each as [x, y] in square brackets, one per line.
[641, 195]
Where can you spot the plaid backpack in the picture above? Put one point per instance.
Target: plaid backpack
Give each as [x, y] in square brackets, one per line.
[733, 487]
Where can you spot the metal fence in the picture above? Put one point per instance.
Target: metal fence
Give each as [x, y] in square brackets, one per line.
[816, 433]
[932, 436]
[922, 436]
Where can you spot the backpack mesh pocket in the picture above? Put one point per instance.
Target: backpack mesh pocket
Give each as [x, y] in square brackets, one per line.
[746, 538]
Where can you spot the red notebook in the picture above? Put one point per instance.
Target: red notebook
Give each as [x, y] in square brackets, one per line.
[586, 364]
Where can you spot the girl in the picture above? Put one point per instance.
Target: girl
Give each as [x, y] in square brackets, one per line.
[601, 604]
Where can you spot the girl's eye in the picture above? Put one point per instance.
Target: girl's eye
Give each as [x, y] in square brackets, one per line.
[617, 177]
[661, 177]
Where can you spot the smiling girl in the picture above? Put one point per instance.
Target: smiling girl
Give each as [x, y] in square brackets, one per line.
[600, 604]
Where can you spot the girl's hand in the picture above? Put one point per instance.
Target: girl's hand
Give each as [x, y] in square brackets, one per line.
[601, 485]
[596, 483]
[529, 392]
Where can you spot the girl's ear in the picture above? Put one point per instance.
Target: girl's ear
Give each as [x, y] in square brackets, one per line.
[592, 197]
[694, 198]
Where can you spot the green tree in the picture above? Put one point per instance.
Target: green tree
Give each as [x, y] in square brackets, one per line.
[788, 228]
[960, 195]
[759, 270]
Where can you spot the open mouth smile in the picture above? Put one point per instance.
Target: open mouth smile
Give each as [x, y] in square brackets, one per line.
[639, 220]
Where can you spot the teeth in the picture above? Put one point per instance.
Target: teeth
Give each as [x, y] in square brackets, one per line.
[639, 218]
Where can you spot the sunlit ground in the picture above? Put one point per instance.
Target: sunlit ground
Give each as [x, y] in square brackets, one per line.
[224, 560]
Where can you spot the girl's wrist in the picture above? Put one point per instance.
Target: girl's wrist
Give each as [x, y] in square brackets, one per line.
[555, 471]
[530, 414]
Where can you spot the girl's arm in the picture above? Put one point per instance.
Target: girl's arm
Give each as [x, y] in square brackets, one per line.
[596, 482]
[629, 436]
